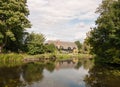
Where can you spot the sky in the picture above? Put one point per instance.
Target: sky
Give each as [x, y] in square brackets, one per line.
[66, 20]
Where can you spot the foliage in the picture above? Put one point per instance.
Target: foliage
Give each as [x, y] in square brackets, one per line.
[13, 21]
[85, 47]
[50, 48]
[104, 39]
[34, 43]
[79, 45]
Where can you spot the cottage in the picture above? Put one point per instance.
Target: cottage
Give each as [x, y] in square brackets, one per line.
[69, 47]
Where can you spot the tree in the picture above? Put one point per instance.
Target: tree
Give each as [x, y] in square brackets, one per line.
[105, 38]
[34, 43]
[13, 21]
[79, 45]
[86, 47]
[50, 48]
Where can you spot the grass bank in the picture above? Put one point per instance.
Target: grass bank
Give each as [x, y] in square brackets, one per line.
[11, 57]
[19, 57]
[14, 59]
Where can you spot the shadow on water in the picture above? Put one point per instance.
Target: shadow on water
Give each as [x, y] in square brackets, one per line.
[103, 76]
[82, 73]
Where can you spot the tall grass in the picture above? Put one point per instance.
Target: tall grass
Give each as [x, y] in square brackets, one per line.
[84, 56]
[11, 57]
[18, 58]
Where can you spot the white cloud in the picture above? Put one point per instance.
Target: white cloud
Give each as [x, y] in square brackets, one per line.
[53, 17]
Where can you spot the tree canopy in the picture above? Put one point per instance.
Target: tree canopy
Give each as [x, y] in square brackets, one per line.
[104, 39]
[79, 45]
[50, 48]
[13, 21]
[34, 43]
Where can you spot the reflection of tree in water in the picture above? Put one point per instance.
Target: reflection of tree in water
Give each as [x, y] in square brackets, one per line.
[9, 77]
[32, 72]
[50, 66]
[101, 76]
[79, 64]
[87, 64]
[23, 75]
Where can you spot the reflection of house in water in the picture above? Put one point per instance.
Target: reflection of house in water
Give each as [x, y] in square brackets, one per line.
[65, 64]
[64, 46]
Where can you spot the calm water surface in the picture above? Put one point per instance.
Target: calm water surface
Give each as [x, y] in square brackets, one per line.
[59, 74]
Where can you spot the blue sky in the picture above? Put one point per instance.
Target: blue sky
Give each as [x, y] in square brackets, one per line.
[67, 20]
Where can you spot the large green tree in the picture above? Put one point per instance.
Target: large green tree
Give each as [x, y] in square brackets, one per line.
[13, 21]
[35, 43]
[104, 39]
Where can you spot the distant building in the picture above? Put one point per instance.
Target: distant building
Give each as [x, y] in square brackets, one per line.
[68, 47]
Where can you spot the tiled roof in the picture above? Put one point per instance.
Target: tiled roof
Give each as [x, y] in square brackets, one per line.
[63, 44]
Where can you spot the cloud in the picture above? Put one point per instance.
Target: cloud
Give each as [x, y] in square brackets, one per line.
[62, 19]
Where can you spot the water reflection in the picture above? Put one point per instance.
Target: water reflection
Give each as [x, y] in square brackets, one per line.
[32, 72]
[103, 76]
[59, 74]
[9, 77]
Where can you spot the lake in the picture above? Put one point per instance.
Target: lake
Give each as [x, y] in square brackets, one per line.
[82, 73]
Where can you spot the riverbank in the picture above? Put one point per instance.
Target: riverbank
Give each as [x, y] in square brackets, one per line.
[24, 57]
